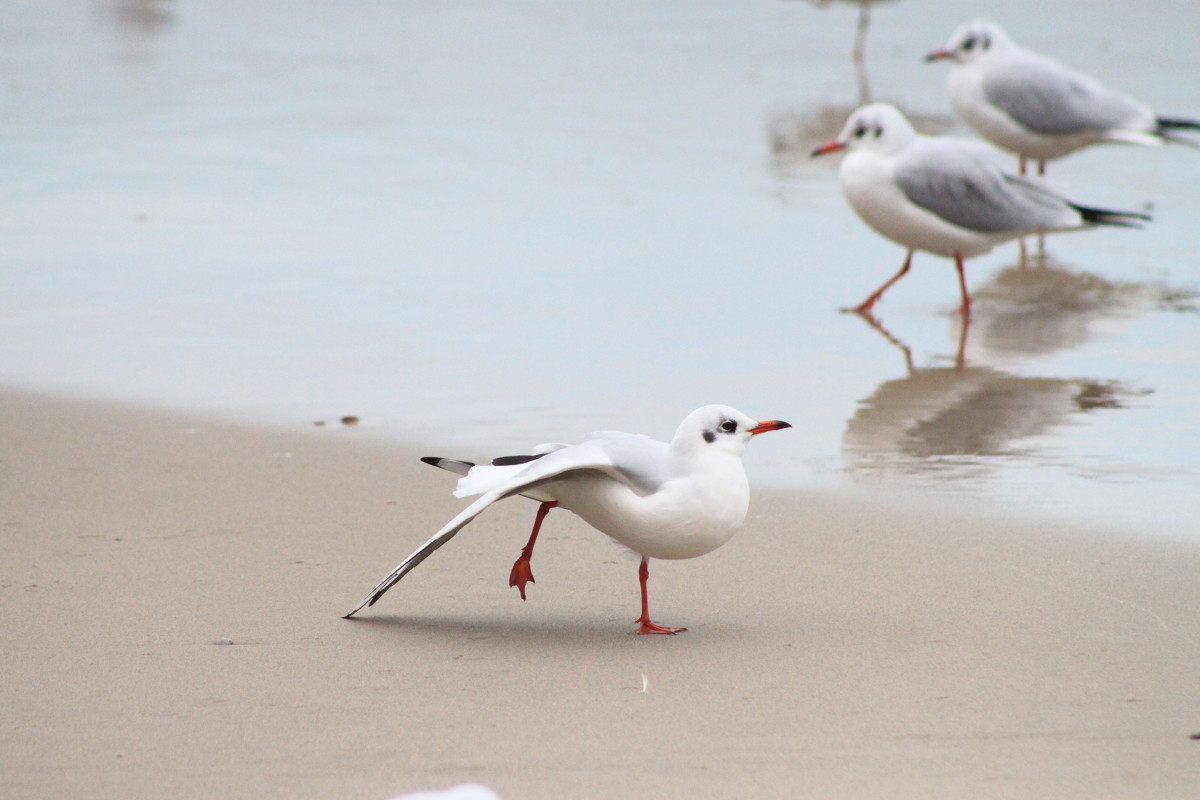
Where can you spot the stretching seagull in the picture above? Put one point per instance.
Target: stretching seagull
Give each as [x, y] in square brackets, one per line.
[674, 500]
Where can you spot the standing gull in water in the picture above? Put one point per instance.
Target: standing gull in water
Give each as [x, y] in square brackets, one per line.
[944, 196]
[1038, 108]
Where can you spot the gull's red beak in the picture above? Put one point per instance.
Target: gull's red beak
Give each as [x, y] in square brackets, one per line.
[939, 55]
[828, 147]
[769, 425]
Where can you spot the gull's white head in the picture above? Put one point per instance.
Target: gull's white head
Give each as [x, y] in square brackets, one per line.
[877, 127]
[720, 428]
[973, 43]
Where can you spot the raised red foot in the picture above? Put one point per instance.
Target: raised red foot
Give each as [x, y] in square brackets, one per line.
[521, 574]
[646, 626]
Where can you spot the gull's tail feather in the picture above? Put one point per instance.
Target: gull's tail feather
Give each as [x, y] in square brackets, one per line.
[450, 464]
[480, 478]
[1105, 216]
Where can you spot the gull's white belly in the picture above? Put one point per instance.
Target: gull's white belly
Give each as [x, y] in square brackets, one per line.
[681, 520]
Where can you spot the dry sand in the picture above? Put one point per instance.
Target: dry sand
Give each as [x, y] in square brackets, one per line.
[838, 648]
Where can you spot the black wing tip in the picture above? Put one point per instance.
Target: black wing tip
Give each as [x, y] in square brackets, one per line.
[1178, 123]
[509, 461]
[502, 461]
[1105, 216]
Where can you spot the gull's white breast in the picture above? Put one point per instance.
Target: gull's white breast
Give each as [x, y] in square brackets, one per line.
[688, 516]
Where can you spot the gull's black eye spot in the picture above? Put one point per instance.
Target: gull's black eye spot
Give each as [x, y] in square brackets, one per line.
[969, 44]
[860, 131]
[709, 437]
[729, 426]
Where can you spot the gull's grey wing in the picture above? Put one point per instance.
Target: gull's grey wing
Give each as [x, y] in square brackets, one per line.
[607, 454]
[958, 184]
[639, 461]
[1048, 98]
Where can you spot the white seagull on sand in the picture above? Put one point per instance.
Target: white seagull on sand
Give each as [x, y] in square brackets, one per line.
[1036, 107]
[672, 501]
[944, 196]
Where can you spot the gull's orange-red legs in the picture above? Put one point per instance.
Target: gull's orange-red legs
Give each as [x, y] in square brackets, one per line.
[644, 623]
[521, 572]
[866, 305]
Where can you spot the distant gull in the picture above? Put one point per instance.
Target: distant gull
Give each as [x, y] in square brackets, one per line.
[1036, 107]
[674, 500]
[944, 196]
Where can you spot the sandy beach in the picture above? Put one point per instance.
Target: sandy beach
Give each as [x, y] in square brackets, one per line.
[837, 648]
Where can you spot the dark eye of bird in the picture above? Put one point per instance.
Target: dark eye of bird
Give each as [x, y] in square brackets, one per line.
[969, 43]
[729, 426]
[860, 131]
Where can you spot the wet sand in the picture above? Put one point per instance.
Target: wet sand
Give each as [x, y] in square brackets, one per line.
[838, 647]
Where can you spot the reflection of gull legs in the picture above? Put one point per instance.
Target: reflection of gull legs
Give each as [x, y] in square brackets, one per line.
[871, 320]
[1040, 257]
[960, 358]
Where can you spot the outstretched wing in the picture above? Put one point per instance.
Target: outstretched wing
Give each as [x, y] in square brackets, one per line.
[597, 454]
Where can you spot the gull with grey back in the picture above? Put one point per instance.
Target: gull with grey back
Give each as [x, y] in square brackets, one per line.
[1037, 107]
[945, 196]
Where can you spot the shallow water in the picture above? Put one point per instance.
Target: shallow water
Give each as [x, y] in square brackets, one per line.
[481, 226]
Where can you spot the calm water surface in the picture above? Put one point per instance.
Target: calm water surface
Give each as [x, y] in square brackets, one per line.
[480, 226]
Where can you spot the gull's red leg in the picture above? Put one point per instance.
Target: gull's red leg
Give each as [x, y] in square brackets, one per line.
[962, 285]
[521, 572]
[644, 623]
[865, 306]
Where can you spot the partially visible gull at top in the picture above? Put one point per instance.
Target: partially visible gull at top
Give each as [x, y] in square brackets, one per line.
[1038, 108]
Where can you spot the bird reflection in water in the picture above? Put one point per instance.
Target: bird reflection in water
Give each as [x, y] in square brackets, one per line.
[952, 417]
[1052, 307]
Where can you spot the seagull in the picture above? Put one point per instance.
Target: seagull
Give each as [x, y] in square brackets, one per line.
[674, 500]
[1038, 108]
[944, 196]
